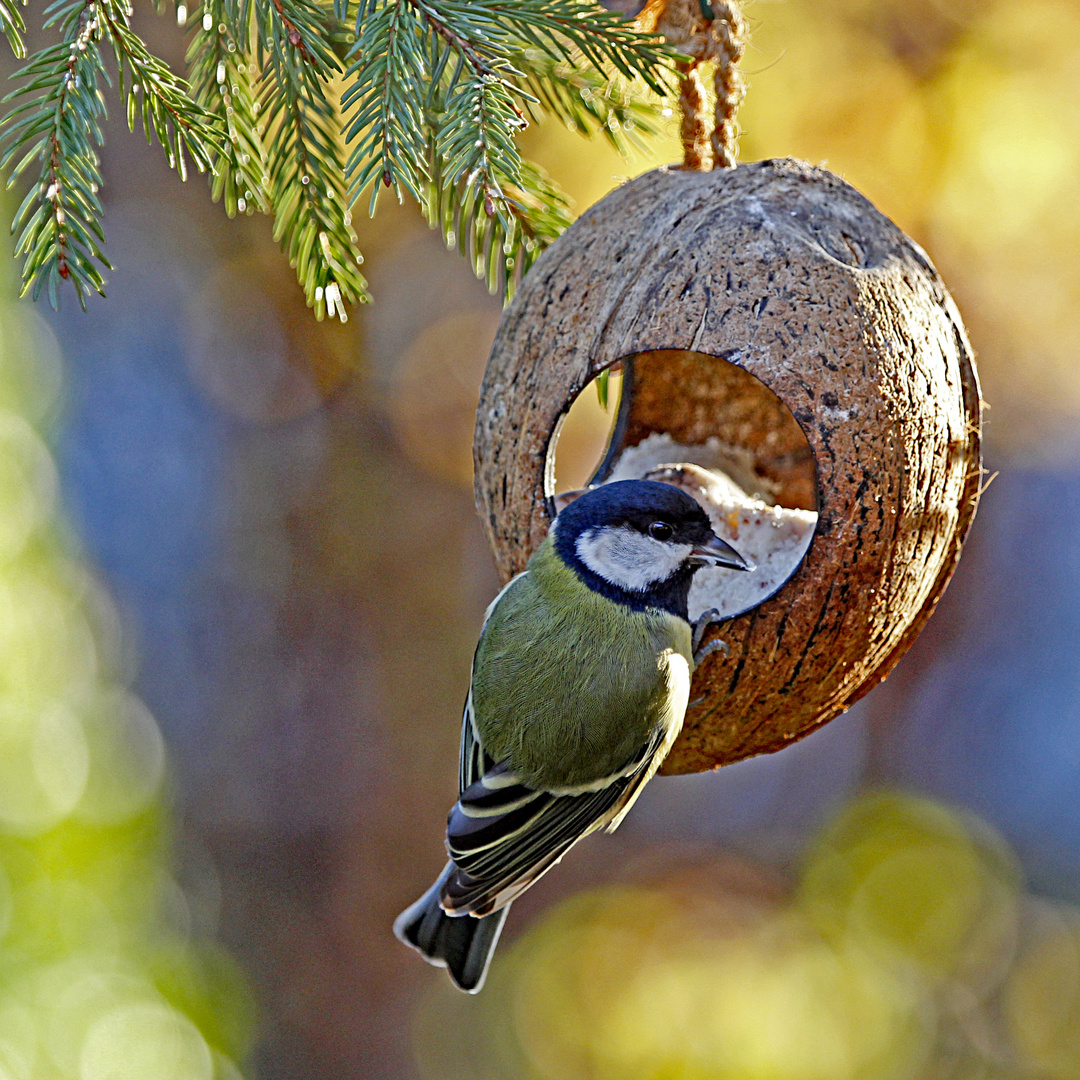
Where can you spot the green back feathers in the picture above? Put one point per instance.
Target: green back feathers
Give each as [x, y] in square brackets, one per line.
[567, 687]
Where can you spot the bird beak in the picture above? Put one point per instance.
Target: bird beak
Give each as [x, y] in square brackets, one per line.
[718, 553]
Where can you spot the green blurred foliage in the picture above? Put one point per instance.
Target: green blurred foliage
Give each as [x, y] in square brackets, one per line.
[910, 878]
[906, 948]
[104, 974]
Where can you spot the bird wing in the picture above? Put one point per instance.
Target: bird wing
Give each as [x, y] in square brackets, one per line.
[472, 761]
[502, 835]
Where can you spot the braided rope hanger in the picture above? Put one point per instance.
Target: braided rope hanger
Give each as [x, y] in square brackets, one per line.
[704, 30]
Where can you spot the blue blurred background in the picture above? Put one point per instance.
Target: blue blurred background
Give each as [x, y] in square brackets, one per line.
[240, 612]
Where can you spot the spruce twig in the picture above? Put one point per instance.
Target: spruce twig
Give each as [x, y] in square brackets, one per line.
[13, 25]
[224, 82]
[59, 220]
[297, 108]
[306, 171]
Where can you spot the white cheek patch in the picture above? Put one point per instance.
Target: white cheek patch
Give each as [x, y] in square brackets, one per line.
[629, 559]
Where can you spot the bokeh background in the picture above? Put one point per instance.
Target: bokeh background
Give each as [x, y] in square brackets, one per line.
[241, 577]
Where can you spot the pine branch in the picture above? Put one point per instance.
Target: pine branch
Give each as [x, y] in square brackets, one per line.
[59, 125]
[13, 26]
[482, 152]
[385, 99]
[306, 173]
[565, 29]
[501, 211]
[483, 63]
[159, 97]
[436, 93]
[224, 84]
[57, 122]
[500, 247]
[588, 101]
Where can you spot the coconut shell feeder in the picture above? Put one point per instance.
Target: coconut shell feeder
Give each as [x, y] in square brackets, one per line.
[772, 307]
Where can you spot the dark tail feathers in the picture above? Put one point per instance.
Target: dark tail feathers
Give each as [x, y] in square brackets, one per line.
[462, 944]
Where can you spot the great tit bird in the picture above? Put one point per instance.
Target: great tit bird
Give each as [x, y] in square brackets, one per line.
[579, 686]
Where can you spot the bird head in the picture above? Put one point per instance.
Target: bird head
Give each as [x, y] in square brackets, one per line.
[640, 541]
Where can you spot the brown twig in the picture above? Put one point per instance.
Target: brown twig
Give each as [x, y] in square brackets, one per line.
[54, 187]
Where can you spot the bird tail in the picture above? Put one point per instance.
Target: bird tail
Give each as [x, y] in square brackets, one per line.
[463, 944]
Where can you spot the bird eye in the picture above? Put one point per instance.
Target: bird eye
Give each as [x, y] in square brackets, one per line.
[660, 530]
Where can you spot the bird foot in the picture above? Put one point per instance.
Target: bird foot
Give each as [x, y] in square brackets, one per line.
[707, 619]
[704, 621]
[708, 650]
